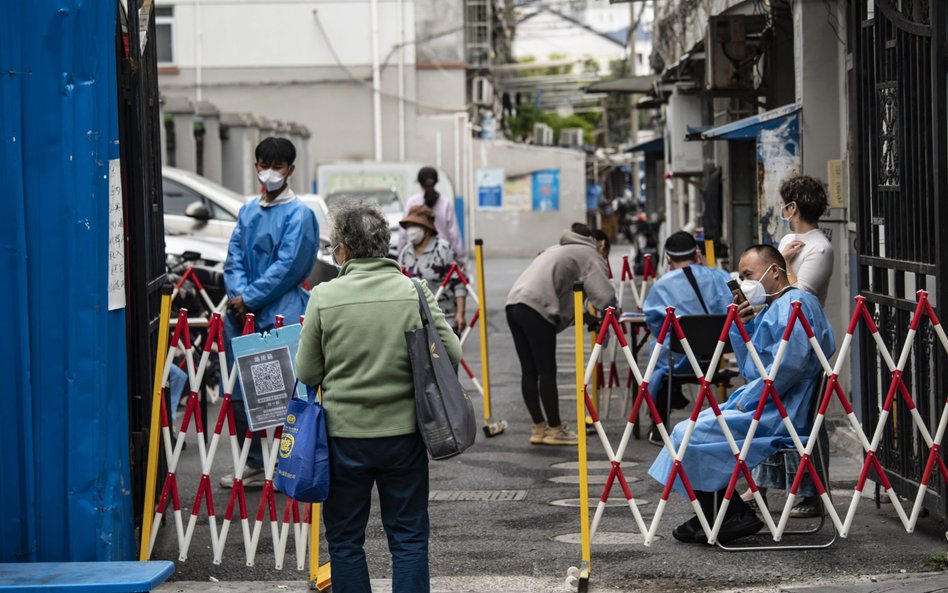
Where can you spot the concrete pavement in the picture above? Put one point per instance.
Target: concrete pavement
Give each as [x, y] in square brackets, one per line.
[901, 583]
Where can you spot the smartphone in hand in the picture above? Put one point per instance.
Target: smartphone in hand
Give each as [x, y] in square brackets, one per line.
[735, 288]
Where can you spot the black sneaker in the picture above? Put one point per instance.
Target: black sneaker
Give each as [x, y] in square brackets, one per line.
[738, 526]
[690, 532]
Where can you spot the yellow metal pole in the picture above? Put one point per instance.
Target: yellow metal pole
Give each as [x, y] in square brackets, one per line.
[709, 253]
[320, 577]
[313, 544]
[151, 469]
[482, 327]
[711, 261]
[581, 430]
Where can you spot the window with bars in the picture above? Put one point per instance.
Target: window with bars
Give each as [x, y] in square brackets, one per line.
[164, 35]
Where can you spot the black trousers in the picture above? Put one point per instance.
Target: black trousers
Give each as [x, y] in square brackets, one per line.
[535, 340]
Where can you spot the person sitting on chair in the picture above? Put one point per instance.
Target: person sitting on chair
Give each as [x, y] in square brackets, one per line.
[809, 255]
[693, 289]
[709, 461]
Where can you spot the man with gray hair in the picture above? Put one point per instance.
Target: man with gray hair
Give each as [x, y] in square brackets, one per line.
[353, 346]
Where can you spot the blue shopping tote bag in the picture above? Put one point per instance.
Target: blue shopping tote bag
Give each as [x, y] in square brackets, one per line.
[302, 471]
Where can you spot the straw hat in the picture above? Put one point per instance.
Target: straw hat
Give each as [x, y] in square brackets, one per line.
[420, 215]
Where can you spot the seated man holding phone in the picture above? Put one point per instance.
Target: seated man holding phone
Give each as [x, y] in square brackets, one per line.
[693, 289]
[709, 461]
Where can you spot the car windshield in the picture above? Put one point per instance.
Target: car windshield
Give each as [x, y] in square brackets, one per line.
[321, 219]
[387, 200]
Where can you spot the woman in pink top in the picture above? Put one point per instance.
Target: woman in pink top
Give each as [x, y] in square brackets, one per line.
[443, 209]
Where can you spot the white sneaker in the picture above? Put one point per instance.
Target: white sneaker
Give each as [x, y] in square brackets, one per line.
[253, 476]
[560, 435]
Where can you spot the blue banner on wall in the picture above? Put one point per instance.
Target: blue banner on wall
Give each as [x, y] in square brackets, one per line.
[490, 189]
[546, 190]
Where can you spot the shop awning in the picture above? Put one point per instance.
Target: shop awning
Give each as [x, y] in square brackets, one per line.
[656, 145]
[695, 132]
[748, 128]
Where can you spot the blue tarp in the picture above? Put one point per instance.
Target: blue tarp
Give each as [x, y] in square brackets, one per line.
[65, 493]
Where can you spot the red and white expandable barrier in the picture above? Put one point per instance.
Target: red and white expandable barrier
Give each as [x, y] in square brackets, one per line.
[452, 271]
[189, 273]
[627, 278]
[922, 309]
[279, 534]
[181, 336]
[897, 385]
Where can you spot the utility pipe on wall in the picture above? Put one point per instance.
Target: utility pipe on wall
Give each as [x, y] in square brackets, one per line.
[692, 223]
[198, 53]
[400, 7]
[376, 80]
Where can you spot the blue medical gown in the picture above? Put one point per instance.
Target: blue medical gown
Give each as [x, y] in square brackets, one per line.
[674, 290]
[708, 462]
[271, 251]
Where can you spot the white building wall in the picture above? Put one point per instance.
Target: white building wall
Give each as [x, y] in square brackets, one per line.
[284, 34]
[310, 63]
[524, 233]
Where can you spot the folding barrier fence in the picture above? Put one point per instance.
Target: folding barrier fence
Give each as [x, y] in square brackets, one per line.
[300, 519]
[606, 383]
[797, 322]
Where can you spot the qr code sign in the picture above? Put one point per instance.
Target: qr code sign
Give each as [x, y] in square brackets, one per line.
[267, 377]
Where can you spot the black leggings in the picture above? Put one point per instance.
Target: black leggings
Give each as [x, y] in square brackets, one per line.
[535, 340]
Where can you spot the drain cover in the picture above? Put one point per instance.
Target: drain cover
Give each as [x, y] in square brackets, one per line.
[592, 465]
[613, 501]
[604, 537]
[592, 479]
[477, 495]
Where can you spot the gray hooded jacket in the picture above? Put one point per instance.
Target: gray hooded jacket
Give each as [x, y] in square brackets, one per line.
[546, 286]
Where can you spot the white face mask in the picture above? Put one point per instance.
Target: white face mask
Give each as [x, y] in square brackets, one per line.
[416, 234]
[271, 179]
[332, 254]
[785, 220]
[754, 290]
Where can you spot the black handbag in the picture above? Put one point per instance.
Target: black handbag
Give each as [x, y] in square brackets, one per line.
[445, 413]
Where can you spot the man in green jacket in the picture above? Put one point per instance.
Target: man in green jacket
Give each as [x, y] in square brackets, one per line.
[353, 346]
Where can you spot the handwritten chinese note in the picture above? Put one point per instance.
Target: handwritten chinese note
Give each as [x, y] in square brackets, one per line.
[116, 238]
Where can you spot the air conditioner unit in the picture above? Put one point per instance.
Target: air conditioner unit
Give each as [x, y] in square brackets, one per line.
[482, 92]
[681, 156]
[571, 137]
[542, 135]
[729, 55]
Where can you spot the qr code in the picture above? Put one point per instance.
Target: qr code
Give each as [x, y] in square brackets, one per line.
[267, 377]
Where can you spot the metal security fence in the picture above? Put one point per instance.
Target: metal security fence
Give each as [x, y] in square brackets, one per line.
[140, 152]
[898, 123]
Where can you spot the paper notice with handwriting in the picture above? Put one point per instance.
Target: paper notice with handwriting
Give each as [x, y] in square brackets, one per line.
[116, 238]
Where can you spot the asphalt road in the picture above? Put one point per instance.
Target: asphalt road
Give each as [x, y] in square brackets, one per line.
[506, 509]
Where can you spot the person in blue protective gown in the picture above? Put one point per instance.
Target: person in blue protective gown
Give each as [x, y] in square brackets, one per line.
[709, 461]
[693, 289]
[271, 251]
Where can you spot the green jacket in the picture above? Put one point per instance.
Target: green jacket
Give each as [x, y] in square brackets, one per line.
[353, 345]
